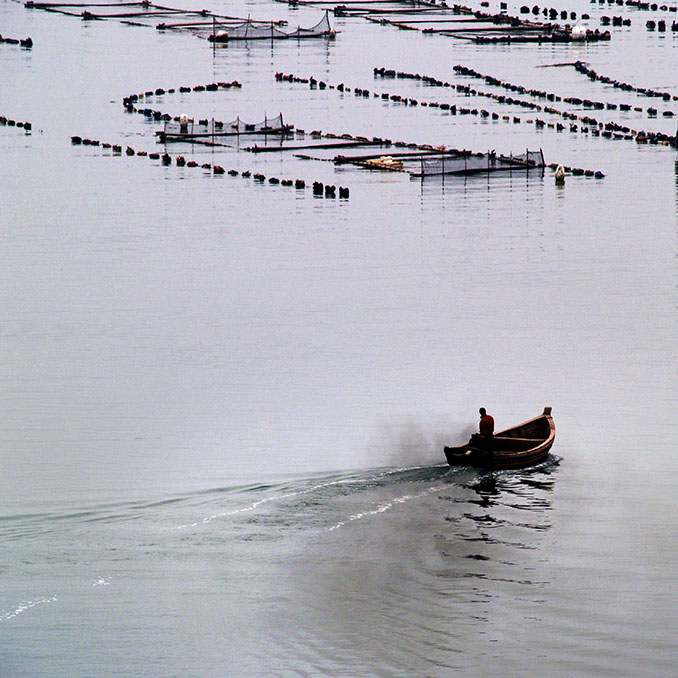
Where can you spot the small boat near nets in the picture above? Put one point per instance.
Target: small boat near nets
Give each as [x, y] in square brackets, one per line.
[523, 445]
[385, 162]
[185, 129]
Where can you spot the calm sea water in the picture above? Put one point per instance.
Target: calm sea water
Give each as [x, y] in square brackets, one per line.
[224, 403]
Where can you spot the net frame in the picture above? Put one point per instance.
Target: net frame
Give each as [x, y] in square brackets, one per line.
[476, 163]
[250, 30]
[174, 131]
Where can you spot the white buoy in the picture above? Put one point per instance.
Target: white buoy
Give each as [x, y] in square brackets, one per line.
[560, 175]
[579, 33]
[183, 123]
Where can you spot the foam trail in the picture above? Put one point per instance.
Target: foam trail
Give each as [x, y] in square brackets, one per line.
[382, 507]
[314, 488]
[25, 605]
[279, 497]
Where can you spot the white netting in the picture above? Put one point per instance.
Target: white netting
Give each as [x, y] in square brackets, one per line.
[471, 163]
[176, 130]
[250, 30]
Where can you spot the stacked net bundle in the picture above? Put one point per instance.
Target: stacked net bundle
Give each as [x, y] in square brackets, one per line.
[472, 163]
[207, 128]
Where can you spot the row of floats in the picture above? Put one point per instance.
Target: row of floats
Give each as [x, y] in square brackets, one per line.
[605, 129]
[318, 188]
[22, 42]
[10, 122]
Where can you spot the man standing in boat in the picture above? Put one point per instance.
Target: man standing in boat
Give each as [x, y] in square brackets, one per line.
[485, 433]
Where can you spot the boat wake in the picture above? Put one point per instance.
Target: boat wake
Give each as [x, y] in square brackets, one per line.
[320, 501]
[23, 606]
[381, 508]
[303, 492]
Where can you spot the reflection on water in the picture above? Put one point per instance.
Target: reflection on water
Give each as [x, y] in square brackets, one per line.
[502, 520]
[424, 554]
[410, 571]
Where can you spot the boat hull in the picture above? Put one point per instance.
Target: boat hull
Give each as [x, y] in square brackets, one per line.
[518, 447]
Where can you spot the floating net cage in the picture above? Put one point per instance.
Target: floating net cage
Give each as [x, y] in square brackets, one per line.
[220, 30]
[475, 163]
[204, 129]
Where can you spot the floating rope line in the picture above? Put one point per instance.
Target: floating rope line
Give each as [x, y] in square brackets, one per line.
[606, 130]
[587, 103]
[9, 122]
[131, 99]
[586, 70]
[647, 6]
[318, 188]
[467, 162]
[27, 43]
[660, 25]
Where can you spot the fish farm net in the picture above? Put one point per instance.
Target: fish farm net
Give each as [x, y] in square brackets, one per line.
[225, 31]
[177, 130]
[473, 163]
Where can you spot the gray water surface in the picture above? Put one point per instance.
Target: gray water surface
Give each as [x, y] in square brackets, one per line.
[224, 403]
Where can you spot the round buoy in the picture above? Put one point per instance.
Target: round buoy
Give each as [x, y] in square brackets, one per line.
[579, 33]
[560, 175]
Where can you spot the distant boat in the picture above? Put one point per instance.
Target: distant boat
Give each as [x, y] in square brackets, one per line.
[517, 447]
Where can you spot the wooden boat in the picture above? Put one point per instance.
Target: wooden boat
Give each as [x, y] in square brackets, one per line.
[516, 447]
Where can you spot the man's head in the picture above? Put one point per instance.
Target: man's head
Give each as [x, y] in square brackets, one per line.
[482, 411]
